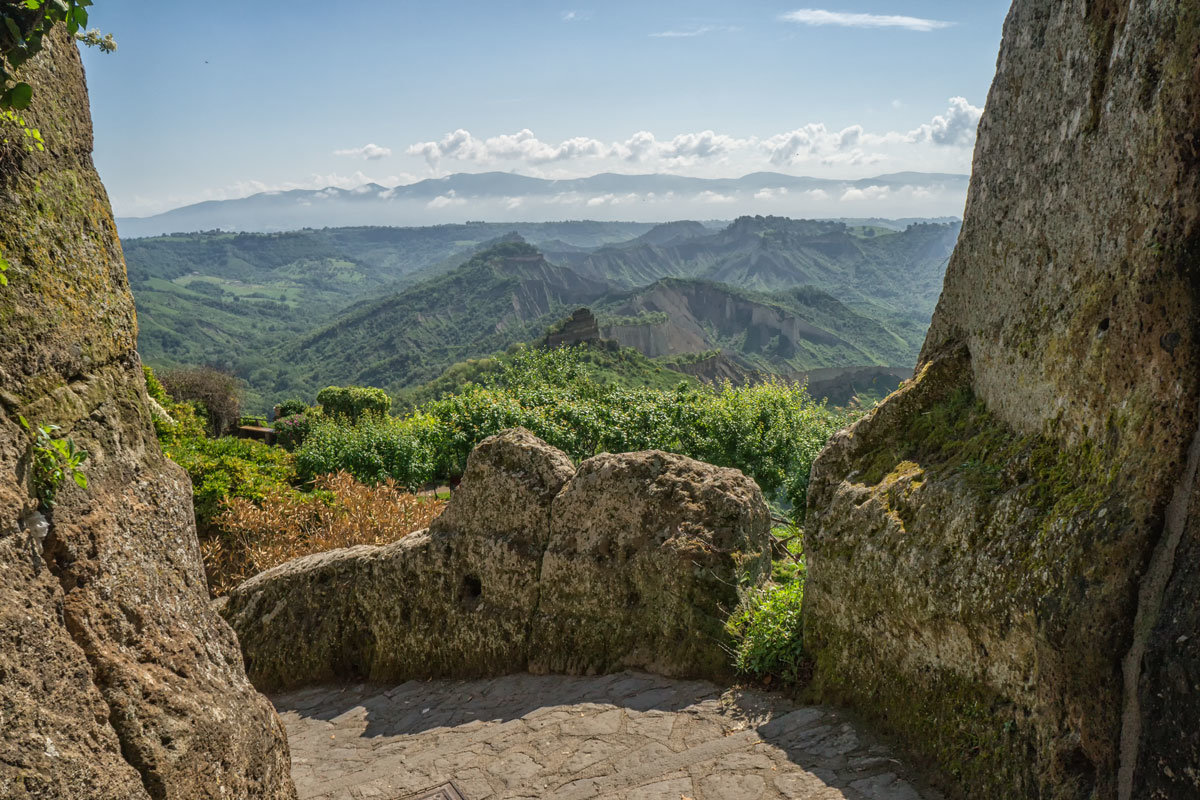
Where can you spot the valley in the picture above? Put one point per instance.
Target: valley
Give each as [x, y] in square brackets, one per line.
[759, 296]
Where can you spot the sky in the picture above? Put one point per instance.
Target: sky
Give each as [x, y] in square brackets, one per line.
[244, 97]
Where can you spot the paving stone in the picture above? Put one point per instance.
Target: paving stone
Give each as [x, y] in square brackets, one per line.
[723, 785]
[629, 736]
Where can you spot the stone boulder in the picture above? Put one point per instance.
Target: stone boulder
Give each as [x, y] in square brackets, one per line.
[1004, 556]
[530, 566]
[644, 563]
[117, 679]
[453, 601]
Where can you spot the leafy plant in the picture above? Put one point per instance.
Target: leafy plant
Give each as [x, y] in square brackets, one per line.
[227, 468]
[376, 449]
[769, 634]
[218, 393]
[353, 401]
[55, 459]
[154, 387]
[3, 269]
[23, 26]
[771, 431]
[292, 407]
[290, 432]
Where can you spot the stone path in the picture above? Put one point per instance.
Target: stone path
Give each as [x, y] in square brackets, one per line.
[628, 735]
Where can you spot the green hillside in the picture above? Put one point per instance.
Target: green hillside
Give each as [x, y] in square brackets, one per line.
[863, 265]
[507, 294]
[225, 299]
[293, 312]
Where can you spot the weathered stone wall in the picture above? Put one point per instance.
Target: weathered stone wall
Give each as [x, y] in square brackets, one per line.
[1003, 556]
[116, 678]
[632, 562]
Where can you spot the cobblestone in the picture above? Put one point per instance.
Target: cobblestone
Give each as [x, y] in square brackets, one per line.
[627, 736]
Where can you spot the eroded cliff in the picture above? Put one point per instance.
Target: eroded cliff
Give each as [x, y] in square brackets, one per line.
[117, 680]
[1004, 556]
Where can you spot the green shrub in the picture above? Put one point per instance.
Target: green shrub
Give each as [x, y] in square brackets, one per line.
[769, 634]
[353, 402]
[770, 431]
[154, 388]
[228, 467]
[291, 407]
[218, 394]
[290, 432]
[374, 449]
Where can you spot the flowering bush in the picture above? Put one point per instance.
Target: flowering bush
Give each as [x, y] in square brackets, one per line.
[290, 432]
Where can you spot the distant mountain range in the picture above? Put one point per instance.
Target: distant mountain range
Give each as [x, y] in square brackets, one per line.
[501, 196]
[396, 307]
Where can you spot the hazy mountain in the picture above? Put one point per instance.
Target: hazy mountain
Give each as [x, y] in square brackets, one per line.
[505, 196]
[901, 270]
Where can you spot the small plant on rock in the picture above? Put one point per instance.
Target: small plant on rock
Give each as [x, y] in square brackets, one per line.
[55, 459]
[769, 633]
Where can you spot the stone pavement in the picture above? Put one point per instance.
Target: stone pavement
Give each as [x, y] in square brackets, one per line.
[628, 735]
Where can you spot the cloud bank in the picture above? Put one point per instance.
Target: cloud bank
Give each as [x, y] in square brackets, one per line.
[812, 144]
[370, 152]
[817, 16]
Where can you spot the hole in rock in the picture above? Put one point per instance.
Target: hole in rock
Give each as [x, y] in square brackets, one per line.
[470, 592]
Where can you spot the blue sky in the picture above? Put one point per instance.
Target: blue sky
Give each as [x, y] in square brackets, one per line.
[250, 96]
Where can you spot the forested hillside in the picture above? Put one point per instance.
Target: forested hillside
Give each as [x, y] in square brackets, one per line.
[395, 307]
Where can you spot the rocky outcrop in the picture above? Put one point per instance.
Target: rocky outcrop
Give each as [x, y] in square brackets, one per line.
[576, 329]
[1004, 556]
[628, 563]
[116, 678]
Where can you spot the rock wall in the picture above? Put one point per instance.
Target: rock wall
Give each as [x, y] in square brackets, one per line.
[1004, 556]
[117, 680]
[633, 561]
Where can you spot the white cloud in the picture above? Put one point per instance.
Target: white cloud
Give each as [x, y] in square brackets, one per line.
[771, 194]
[814, 140]
[370, 152]
[520, 146]
[816, 16]
[705, 144]
[687, 33]
[813, 144]
[444, 200]
[709, 196]
[576, 16]
[955, 128]
[638, 146]
[869, 193]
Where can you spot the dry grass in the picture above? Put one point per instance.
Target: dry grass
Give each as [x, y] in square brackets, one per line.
[342, 513]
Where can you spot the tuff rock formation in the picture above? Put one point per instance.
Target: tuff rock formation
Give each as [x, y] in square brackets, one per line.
[578, 328]
[633, 561]
[117, 680]
[1004, 557]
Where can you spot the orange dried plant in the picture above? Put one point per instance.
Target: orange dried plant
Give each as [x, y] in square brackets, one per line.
[341, 513]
